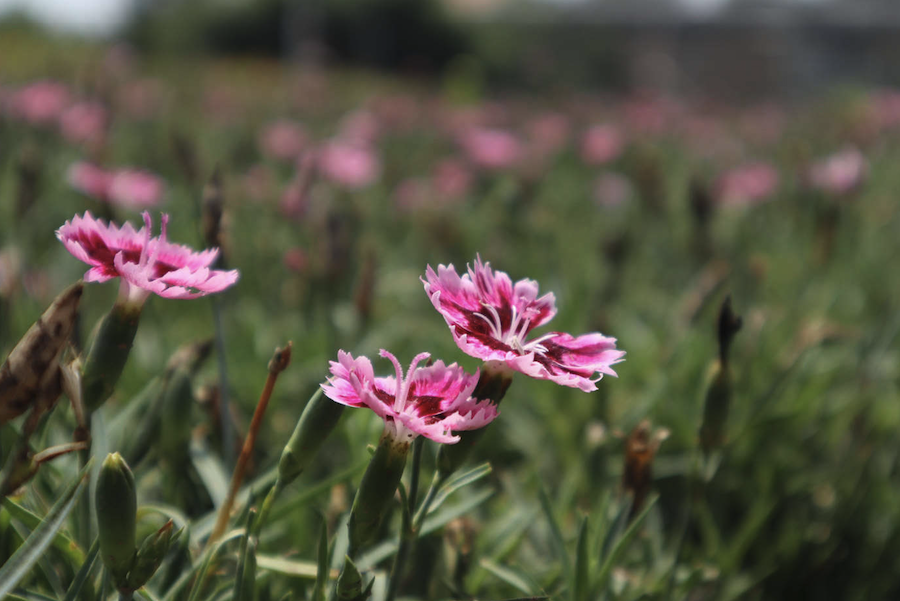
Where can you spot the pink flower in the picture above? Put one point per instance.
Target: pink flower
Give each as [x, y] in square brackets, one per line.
[839, 173]
[748, 184]
[491, 148]
[282, 140]
[353, 166]
[84, 122]
[432, 401]
[129, 188]
[490, 318]
[142, 263]
[89, 179]
[135, 189]
[601, 144]
[40, 102]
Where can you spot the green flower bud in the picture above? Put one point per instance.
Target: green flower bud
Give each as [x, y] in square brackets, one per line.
[151, 554]
[715, 409]
[349, 583]
[376, 490]
[319, 418]
[108, 354]
[116, 505]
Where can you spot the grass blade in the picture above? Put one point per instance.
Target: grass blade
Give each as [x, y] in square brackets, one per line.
[621, 544]
[25, 557]
[582, 564]
[81, 577]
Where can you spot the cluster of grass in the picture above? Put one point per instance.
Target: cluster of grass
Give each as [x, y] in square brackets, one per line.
[800, 502]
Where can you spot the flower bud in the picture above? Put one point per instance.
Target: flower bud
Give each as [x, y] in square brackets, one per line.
[108, 354]
[376, 490]
[319, 418]
[33, 361]
[116, 505]
[349, 583]
[637, 474]
[715, 408]
[719, 392]
[151, 554]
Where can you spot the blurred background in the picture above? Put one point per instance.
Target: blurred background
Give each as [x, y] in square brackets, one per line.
[641, 159]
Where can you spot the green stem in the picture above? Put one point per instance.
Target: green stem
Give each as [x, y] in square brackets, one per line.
[267, 505]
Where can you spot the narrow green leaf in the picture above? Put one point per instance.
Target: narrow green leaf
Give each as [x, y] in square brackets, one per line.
[61, 541]
[316, 489]
[174, 591]
[322, 568]
[83, 573]
[431, 524]
[556, 533]
[582, 564]
[291, 567]
[21, 562]
[459, 481]
[211, 471]
[200, 578]
[242, 559]
[619, 548]
[507, 575]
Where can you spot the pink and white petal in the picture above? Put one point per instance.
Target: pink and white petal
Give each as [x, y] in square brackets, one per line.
[593, 352]
[436, 389]
[471, 414]
[429, 428]
[493, 288]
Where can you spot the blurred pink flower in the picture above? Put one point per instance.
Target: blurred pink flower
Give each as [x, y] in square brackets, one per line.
[283, 140]
[84, 122]
[144, 265]
[451, 179]
[433, 401]
[89, 179]
[491, 148]
[490, 318]
[612, 189]
[353, 166]
[840, 173]
[747, 184]
[135, 189]
[601, 144]
[38, 103]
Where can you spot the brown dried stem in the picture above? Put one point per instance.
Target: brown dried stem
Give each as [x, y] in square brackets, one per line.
[280, 360]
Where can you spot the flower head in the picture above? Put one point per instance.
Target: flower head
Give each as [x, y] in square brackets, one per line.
[748, 184]
[349, 164]
[840, 173]
[490, 318]
[144, 264]
[433, 401]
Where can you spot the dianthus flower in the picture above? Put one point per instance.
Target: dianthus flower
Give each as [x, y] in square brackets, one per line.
[433, 401]
[490, 318]
[144, 265]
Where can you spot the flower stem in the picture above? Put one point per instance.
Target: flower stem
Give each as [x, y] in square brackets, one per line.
[280, 360]
[408, 533]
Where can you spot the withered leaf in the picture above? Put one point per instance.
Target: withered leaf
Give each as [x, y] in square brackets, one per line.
[25, 370]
